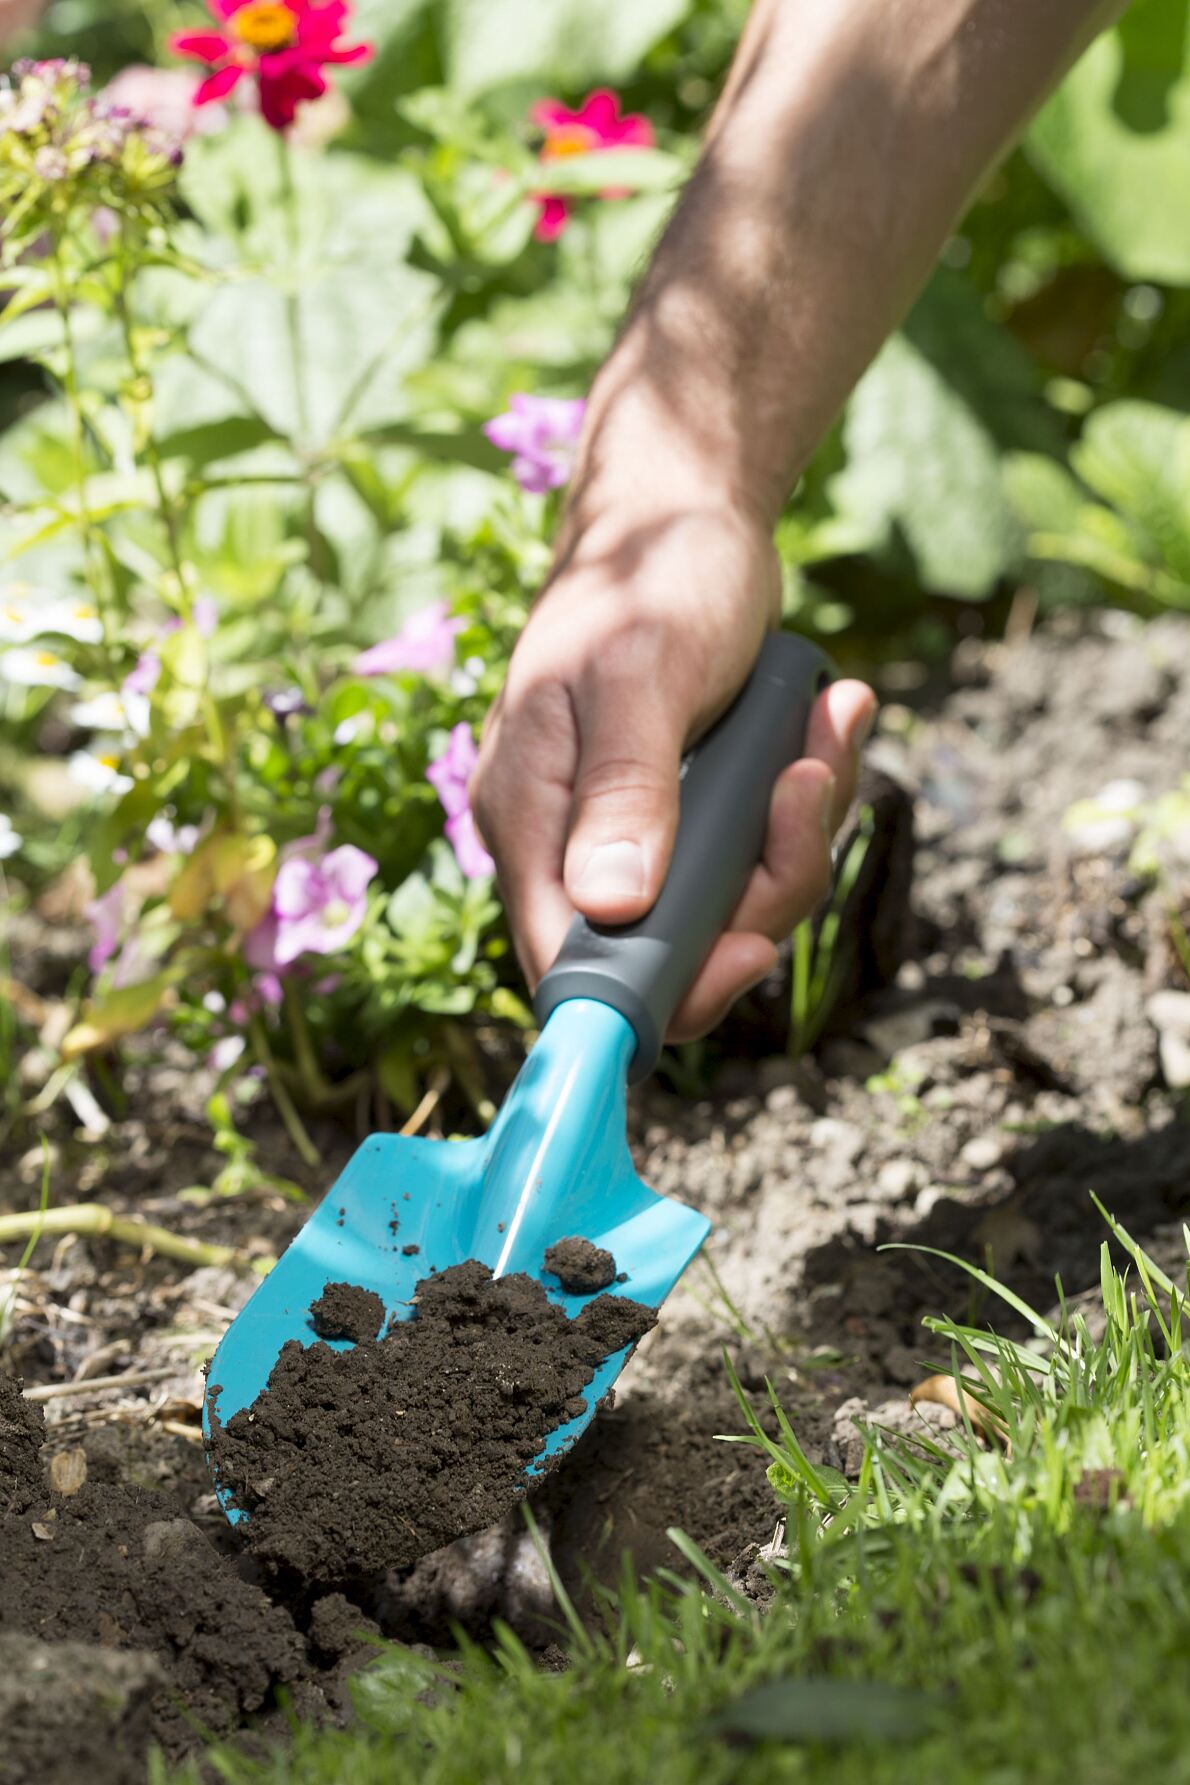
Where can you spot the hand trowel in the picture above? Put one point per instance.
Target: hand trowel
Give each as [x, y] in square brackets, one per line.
[555, 1162]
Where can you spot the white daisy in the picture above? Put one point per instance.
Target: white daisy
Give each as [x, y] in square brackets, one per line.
[27, 611]
[33, 667]
[99, 771]
[10, 841]
[110, 711]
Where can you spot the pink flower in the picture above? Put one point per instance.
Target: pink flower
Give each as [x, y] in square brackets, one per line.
[596, 125]
[319, 902]
[143, 677]
[283, 44]
[543, 433]
[449, 775]
[106, 916]
[425, 643]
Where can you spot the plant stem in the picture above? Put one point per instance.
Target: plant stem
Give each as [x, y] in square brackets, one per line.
[142, 375]
[96, 1219]
[307, 1151]
[95, 578]
[293, 321]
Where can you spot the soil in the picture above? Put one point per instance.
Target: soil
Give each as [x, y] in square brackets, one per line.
[997, 1058]
[350, 1463]
[580, 1267]
[345, 1311]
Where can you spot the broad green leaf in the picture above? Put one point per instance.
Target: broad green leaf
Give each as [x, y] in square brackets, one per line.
[828, 1710]
[1114, 141]
[1137, 457]
[571, 44]
[921, 464]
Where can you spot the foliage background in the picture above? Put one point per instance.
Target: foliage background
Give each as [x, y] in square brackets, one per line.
[309, 371]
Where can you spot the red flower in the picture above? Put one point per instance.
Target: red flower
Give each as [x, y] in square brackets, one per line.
[286, 44]
[596, 125]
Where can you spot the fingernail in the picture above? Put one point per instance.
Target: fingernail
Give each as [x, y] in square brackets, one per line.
[862, 730]
[613, 871]
[826, 811]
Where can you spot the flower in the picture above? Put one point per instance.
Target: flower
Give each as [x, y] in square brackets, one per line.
[10, 839]
[169, 838]
[283, 703]
[596, 125]
[425, 643]
[143, 677]
[106, 916]
[163, 97]
[449, 775]
[98, 771]
[27, 612]
[543, 432]
[319, 901]
[226, 1052]
[33, 667]
[127, 711]
[284, 44]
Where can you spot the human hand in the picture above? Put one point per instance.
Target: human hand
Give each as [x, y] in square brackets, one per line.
[642, 638]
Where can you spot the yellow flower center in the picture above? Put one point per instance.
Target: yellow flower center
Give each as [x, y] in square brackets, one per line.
[568, 139]
[263, 25]
[109, 759]
[45, 659]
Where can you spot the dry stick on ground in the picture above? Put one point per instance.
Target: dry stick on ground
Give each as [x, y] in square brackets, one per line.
[54, 1391]
[95, 1219]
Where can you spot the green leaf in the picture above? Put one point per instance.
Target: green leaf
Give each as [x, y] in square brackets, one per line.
[1137, 457]
[922, 464]
[1114, 141]
[570, 43]
[828, 1710]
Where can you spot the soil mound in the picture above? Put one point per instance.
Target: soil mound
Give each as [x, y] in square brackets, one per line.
[580, 1267]
[352, 1462]
[345, 1311]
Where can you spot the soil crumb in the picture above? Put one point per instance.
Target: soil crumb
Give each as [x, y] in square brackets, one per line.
[345, 1311]
[353, 1462]
[581, 1267]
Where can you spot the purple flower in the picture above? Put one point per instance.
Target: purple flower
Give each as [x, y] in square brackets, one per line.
[425, 643]
[319, 902]
[143, 677]
[449, 775]
[205, 614]
[106, 916]
[543, 433]
[283, 703]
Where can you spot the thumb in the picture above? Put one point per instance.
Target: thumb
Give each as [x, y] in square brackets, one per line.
[624, 812]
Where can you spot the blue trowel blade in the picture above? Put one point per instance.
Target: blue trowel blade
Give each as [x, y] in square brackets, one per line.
[554, 1163]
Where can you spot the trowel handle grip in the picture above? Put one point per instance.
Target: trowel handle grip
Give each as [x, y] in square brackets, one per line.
[644, 969]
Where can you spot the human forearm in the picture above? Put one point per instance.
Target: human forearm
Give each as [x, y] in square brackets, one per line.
[849, 138]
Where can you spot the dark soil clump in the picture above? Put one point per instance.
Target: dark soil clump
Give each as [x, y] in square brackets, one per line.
[345, 1311]
[580, 1267]
[418, 1437]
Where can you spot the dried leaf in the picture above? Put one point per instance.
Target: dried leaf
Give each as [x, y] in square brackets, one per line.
[68, 1470]
[43, 1531]
[122, 1012]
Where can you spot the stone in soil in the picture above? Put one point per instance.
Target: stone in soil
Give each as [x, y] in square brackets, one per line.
[352, 1462]
[580, 1267]
[345, 1311]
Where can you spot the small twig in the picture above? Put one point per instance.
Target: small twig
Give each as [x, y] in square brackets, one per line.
[96, 1219]
[53, 1391]
[428, 1104]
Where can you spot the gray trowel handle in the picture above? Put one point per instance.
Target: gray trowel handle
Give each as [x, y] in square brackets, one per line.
[644, 969]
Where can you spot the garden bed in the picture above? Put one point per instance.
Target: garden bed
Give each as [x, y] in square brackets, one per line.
[972, 1107]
